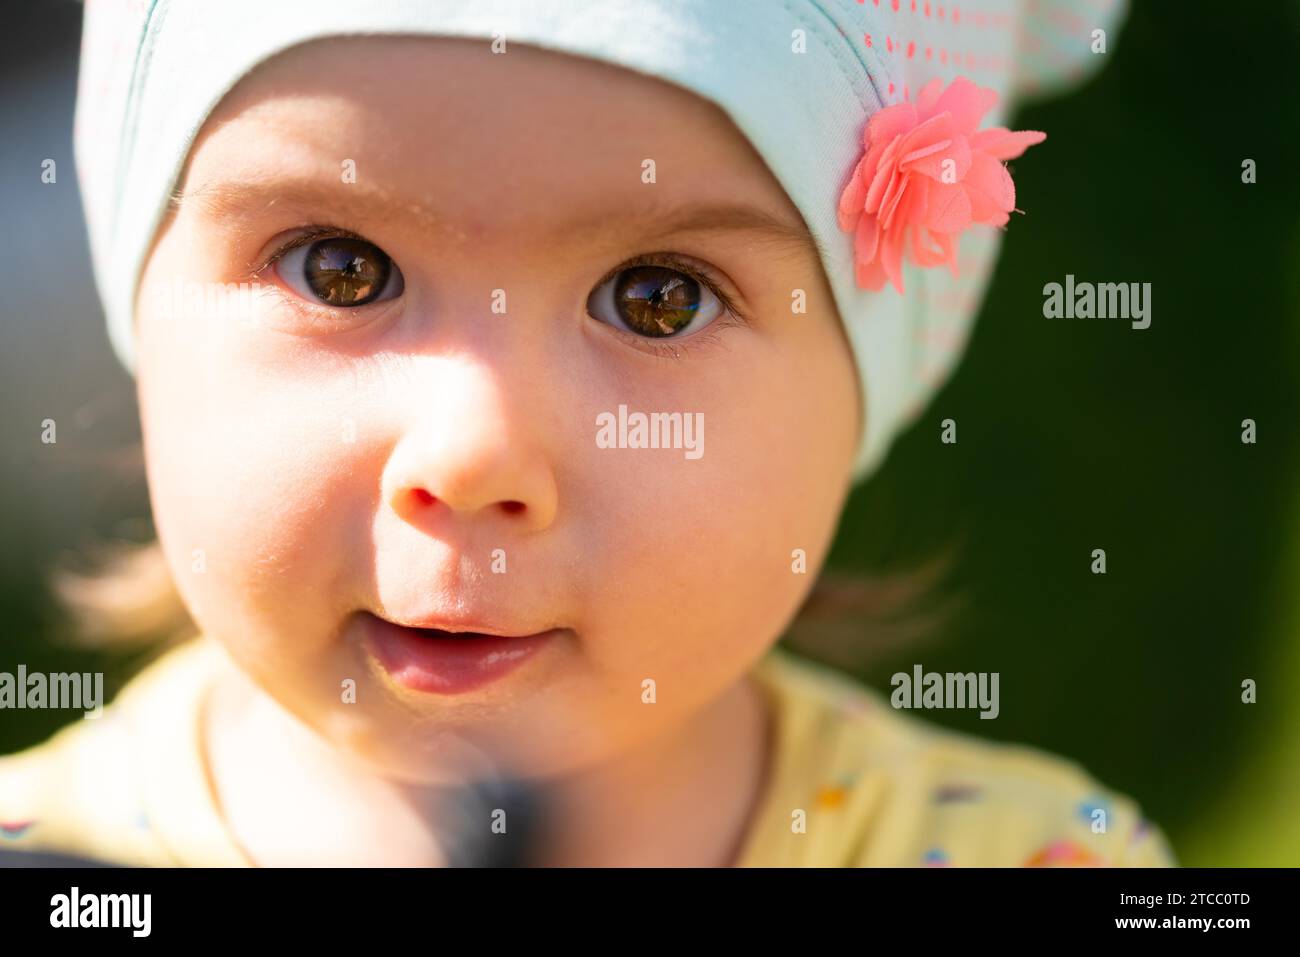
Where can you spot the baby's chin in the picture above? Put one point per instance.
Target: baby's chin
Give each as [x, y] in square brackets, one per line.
[428, 741]
[456, 753]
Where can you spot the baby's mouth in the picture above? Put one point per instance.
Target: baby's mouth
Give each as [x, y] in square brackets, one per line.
[457, 628]
[439, 633]
[449, 657]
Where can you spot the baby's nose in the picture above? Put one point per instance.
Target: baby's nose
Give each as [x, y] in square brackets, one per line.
[475, 463]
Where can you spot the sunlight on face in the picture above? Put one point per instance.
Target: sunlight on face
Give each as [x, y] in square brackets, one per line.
[454, 267]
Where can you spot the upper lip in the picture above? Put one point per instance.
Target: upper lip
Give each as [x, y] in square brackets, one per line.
[463, 624]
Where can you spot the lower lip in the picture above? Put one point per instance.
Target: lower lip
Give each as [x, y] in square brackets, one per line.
[420, 661]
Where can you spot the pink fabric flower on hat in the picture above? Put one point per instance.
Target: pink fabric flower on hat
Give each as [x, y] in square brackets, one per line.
[926, 175]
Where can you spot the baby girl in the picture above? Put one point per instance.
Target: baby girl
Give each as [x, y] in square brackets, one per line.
[430, 307]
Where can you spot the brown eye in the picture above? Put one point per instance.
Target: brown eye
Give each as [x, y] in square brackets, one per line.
[654, 301]
[340, 271]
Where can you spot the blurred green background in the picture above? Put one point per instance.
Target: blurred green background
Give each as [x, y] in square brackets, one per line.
[1072, 434]
[1082, 434]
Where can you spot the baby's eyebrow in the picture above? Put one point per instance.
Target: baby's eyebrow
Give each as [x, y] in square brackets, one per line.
[240, 199]
[664, 222]
[226, 200]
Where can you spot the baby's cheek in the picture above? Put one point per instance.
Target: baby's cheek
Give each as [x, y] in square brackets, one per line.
[698, 566]
[704, 559]
[255, 488]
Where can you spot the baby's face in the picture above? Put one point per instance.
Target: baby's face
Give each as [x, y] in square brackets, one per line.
[405, 421]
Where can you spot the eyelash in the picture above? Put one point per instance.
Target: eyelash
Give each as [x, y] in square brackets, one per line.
[302, 239]
[320, 314]
[729, 315]
[677, 348]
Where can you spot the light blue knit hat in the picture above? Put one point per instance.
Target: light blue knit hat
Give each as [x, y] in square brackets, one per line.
[799, 78]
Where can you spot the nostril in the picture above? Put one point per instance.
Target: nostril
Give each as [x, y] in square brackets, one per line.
[423, 497]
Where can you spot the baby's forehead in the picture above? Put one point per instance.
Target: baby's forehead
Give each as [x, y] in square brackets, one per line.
[454, 95]
[440, 127]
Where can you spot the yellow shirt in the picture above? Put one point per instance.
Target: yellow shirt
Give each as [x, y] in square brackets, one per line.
[853, 783]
